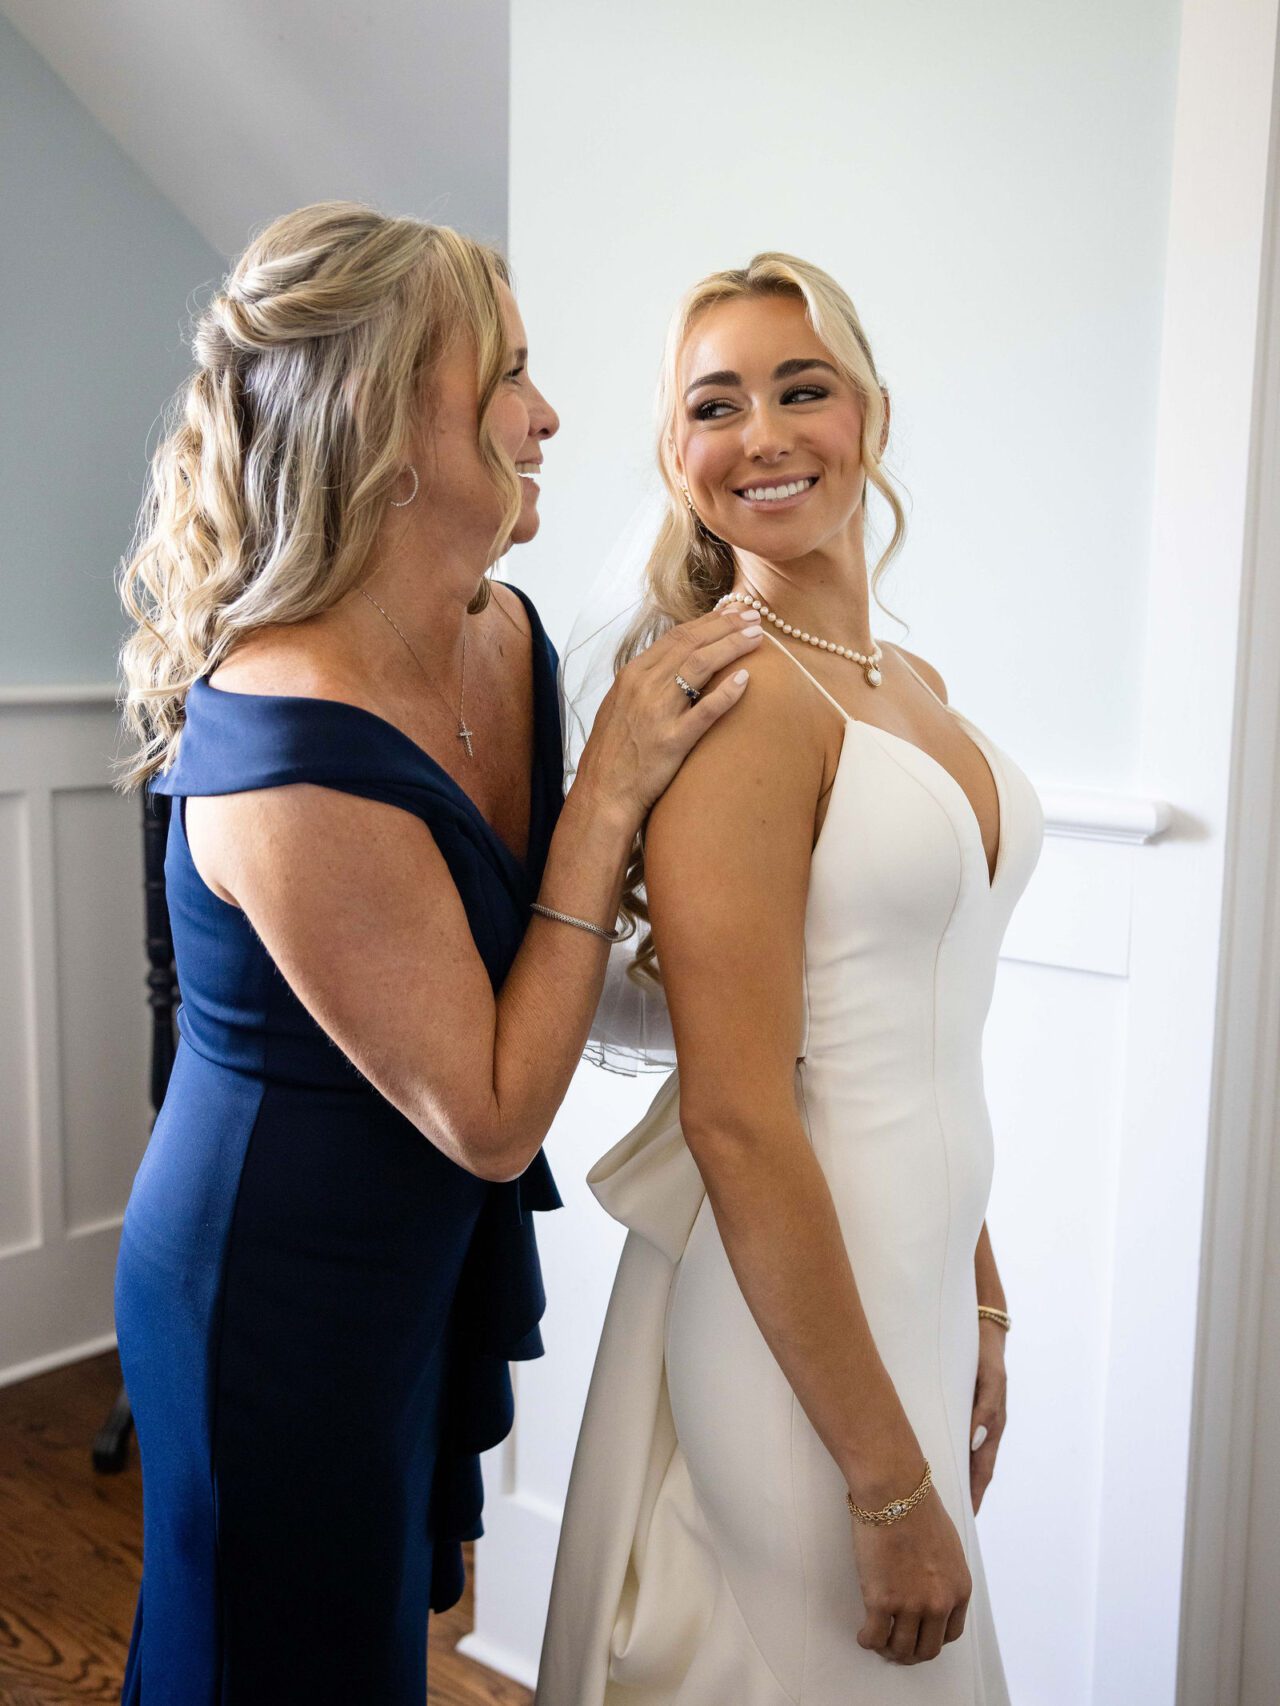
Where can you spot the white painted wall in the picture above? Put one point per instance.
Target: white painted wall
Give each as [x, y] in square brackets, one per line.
[989, 180]
[993, 183]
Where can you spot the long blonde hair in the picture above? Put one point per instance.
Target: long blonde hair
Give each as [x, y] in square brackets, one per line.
[689, 567]
[283, 449]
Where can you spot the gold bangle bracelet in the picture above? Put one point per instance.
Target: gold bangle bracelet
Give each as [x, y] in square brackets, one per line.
[988, 1313]
[896, 1507]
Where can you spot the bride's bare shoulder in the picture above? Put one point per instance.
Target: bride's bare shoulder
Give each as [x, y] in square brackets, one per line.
[735, 828]
[777, 734]
[930, 674]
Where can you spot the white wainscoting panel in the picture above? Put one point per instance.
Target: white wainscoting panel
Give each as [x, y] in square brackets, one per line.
[74, 1113]
[100, 926]
[1054, 1054]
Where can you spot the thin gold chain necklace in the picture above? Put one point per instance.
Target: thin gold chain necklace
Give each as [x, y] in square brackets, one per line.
[464, 733]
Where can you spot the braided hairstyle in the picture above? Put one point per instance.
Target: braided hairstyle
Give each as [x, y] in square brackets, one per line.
[268, 489]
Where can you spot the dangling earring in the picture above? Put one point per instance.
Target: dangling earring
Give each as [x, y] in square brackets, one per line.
[693, 512]
[403, 503]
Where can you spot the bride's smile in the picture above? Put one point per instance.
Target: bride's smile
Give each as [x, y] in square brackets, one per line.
[769, 431]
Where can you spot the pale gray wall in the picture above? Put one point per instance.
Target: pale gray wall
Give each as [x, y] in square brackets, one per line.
[97, 271]
[237, 112]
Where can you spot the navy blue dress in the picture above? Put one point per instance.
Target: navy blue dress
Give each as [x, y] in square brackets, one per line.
[315, 1307]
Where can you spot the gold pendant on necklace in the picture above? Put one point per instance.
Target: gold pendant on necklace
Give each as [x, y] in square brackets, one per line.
[464, 733]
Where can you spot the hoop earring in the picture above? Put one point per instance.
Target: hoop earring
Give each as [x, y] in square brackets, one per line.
[404, 503]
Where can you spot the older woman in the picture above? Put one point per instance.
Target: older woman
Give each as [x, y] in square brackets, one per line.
[390, 939]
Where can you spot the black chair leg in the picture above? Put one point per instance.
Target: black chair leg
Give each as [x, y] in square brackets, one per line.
[111, 1442]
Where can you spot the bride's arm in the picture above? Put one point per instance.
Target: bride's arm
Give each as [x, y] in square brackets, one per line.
[989, 1397]
[727, 854]
[986, 1273]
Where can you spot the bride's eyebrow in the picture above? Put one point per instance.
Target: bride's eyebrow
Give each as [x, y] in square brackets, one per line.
[784, 370]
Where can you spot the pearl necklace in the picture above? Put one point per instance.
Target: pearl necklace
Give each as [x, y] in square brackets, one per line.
[870, 665]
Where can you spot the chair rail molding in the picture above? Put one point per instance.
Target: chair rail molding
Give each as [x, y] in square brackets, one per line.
[1104, 817]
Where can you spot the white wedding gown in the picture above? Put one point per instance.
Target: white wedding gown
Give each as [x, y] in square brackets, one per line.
[706, 1555]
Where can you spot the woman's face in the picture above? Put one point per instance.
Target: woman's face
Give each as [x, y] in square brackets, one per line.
[457, 486]
[521, 418]
[768, 432]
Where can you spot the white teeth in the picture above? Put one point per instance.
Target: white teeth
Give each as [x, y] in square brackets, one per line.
[773, 494]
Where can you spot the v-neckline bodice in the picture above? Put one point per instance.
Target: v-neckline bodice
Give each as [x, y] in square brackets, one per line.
[985, 750]
[988, 754]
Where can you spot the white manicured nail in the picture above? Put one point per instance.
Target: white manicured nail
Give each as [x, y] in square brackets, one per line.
[742, 675]
[979, 1434]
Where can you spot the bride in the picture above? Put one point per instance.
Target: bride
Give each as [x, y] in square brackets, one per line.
[800, 1389]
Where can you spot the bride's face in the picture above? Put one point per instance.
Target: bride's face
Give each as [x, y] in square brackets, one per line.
[768, 431]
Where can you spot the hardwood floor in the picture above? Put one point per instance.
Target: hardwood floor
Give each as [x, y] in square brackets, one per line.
[71, 1556]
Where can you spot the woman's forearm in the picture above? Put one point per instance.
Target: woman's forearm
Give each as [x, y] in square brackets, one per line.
[780, 1231]
[544, 1010]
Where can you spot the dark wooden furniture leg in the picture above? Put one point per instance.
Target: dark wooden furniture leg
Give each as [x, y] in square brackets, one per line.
[111, 1444]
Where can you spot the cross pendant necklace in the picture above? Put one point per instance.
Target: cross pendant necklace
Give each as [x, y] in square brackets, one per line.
[464, 733]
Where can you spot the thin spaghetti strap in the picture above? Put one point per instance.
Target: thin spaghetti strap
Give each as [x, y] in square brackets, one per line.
[898, 653]
[813, 678]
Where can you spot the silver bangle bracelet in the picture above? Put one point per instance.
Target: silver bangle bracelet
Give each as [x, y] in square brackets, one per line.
[582, 924]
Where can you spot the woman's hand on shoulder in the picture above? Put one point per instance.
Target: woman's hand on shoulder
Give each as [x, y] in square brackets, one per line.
[646, 727]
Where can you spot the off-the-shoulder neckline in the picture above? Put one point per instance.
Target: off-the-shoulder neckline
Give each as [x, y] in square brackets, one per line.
[541, 668]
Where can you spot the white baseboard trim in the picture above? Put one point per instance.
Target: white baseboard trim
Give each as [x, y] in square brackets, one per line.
[501, 1659]
[56, 1359]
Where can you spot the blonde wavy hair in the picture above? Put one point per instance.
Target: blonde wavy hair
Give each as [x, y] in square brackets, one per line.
[282, 451]
[690, 567]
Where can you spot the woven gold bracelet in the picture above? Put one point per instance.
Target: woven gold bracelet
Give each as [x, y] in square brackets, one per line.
[896, 1507]
[987, 1311]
